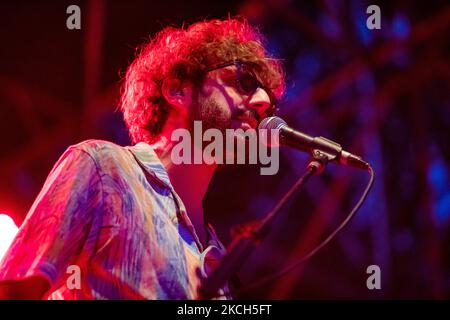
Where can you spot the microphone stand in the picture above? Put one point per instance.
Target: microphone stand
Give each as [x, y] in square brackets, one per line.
[246, 242]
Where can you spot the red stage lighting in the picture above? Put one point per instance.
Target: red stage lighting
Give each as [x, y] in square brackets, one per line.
[8, 231]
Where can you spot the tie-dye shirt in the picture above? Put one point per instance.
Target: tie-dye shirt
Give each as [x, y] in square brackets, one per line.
[108, 224]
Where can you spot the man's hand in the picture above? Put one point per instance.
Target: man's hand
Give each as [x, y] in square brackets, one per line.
[33, 288]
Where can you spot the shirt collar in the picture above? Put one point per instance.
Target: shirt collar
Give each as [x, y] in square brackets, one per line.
[149, 160]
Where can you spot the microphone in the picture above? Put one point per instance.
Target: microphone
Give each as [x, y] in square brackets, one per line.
[304, 142]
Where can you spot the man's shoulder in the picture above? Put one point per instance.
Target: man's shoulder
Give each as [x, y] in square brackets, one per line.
[105, 154]
[115, 160]
[98, 147]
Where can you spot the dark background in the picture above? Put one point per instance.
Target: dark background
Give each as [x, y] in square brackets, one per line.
[380, 93]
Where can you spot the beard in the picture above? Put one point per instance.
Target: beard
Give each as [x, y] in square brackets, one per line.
[213, 116]
[209, 112]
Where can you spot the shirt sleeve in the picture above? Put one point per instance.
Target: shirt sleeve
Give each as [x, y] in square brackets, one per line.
[53, 234]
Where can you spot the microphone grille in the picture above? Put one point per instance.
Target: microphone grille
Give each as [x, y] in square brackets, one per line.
[271, 123]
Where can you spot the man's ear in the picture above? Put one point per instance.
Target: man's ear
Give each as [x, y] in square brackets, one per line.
[177, 93]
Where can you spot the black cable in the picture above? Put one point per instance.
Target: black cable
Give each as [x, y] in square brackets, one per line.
[317, 248]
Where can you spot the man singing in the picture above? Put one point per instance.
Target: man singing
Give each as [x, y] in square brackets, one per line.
[116, 222]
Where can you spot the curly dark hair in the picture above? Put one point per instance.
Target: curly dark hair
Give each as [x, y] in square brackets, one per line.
[186, 53]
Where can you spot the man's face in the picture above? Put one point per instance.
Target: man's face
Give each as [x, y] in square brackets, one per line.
[222, 104]
[225, 103]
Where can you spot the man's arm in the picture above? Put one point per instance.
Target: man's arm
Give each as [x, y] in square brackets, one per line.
[33, 288]
[55, 230]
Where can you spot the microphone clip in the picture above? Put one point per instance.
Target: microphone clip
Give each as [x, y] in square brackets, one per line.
[319, 160]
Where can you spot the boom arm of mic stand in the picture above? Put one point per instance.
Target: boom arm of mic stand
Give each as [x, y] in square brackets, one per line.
[241, 248]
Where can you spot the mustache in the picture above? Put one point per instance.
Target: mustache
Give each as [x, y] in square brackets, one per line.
[246, 113]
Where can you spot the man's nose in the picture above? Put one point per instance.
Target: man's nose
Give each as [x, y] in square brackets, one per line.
[259, 101]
